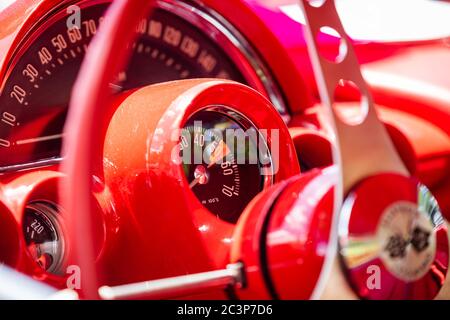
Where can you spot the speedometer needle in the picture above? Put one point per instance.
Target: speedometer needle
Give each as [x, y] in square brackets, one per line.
[220, 152]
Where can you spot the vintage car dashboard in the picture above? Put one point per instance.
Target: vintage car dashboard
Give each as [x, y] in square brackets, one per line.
[154, 219]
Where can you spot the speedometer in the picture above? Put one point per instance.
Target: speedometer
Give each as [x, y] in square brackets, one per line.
[220, 146]
[178, 41]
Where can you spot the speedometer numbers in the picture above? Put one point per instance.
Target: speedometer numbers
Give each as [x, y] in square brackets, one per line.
[36, 94]
[223, 161]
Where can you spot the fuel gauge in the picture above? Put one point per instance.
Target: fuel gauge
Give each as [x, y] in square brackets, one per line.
[43, 236]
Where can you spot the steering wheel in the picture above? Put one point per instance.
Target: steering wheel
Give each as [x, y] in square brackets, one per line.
[398, 235]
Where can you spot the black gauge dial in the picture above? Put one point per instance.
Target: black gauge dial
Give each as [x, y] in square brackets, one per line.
[42, 234]
[223, 161]
[36, 92]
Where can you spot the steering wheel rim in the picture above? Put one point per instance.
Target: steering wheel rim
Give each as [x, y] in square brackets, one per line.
[106, 56]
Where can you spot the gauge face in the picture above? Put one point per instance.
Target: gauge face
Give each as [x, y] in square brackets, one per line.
[36, 93]
[223, 161]
[42, 236]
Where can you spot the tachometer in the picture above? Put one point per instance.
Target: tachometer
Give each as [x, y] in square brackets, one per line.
[178, 41]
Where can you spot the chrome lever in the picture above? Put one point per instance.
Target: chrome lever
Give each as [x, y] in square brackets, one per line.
[175, 287]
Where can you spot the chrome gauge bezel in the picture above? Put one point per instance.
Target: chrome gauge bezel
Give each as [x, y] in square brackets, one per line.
[50, 212]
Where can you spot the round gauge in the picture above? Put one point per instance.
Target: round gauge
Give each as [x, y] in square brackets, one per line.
[178, 41]
[225, 160]
[43, 236]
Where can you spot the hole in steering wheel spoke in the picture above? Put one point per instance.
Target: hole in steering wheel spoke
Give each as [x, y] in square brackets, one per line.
[331, 45]
[316, 3]
[350, 105]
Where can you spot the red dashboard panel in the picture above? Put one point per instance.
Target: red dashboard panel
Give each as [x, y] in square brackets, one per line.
[197, 71]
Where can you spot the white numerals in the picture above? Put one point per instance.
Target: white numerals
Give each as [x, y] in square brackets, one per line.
[142, 26]
[199, 139]
[5, 143]
[59, 43]
[74, 35]
[189, 46]
[226, 168]
[36, 226]
[155, 29]
[207, 61]
[172, 36]
[90, 28]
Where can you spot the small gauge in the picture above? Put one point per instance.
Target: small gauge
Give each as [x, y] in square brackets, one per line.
[225, 159]
[43, 236]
